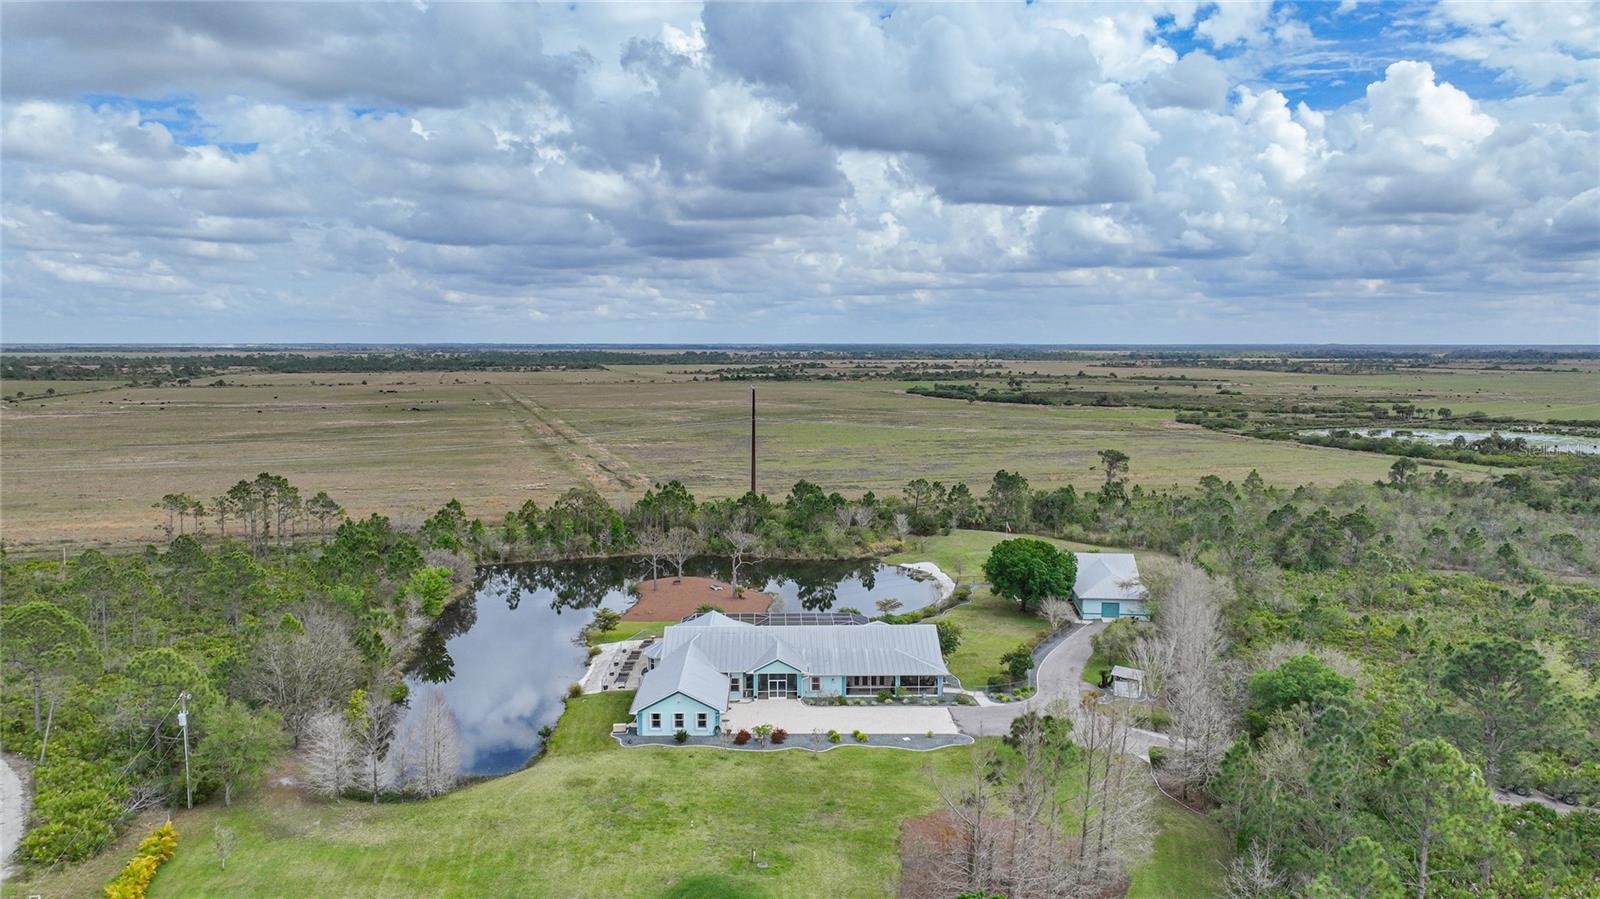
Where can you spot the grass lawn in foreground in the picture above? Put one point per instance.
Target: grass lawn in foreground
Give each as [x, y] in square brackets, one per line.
[589, 819]
[1189, 860]
[593, 819]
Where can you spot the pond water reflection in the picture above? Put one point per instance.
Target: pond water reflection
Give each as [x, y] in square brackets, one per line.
[505, 655]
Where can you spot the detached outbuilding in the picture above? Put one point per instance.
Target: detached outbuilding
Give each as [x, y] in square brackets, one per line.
[1127, 683]
[1108, 587]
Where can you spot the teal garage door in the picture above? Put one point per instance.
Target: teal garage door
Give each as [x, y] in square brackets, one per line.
[1110, 609]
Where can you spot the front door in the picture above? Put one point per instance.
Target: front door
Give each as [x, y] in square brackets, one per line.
[1110, 609]
[775, 686]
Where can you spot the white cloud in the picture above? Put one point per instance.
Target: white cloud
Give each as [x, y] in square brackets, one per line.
[788, 172]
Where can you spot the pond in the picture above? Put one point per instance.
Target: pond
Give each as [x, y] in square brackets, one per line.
[1559, 443]
[505, 655]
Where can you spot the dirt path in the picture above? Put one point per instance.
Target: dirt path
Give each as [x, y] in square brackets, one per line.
[673, 599]
[593, 462]
[13, 813]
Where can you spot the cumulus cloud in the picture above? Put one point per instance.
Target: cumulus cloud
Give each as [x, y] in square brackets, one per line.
[1102, 172]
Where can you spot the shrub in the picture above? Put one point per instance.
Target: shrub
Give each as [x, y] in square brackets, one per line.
[859, 737]
[998, 682]
[833, 736]
[762, 732]
[779, 735]
[741, 738]
[593, 651]
[1018, 662]
[885, 696]
[574, 690]
[960, 594]
[1158, 756]
[80, 803]
[135, 878]
[681, 736]
[840, 700]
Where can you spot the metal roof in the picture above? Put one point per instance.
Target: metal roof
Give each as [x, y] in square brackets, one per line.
[782, 619]
[687, 671]
[712, 618]
[815, 649]
[1113, 576]
[1123, 673]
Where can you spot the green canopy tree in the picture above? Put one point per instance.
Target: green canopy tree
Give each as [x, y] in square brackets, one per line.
[1358, 872]
[49, 646]
[239, 745]
[1504, 696]
[1439, 808]
[1302, 680]
[1027, 571]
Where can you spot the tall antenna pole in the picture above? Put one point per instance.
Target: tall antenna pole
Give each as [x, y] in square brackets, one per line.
[752, 440]
[183, 721]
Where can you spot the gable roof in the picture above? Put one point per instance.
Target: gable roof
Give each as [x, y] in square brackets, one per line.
[713, 618]
[1123, 672]
[1103, 576]
[685, 671]
[814, 649]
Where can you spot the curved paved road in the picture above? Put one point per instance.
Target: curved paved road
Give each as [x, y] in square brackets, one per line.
[1060, 676]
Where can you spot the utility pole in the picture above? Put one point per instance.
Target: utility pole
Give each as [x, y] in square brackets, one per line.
[183, 722]
[752, 440]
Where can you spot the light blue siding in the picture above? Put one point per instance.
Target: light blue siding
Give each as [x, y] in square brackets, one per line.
[776, 667]
[1095, 610]
[677, 704]
[831, 685]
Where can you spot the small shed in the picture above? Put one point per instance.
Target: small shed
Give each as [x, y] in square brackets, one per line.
[1127, 683]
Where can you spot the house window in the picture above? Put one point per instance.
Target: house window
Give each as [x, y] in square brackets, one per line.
[700, 721]
[655, 720]
[816, 685]
[677, 721]
[735, 683]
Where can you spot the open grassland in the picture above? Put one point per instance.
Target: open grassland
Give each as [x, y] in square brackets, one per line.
[85, 465]
[592, 819]
[1572, 392]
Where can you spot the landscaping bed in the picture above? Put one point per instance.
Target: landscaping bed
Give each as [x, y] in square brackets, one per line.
[676, 598]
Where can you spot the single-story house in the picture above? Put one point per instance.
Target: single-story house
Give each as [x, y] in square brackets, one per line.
[699, 667]
[1108, 587]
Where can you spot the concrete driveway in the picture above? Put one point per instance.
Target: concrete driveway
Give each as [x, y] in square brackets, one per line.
[1059, 677]
[798, 718]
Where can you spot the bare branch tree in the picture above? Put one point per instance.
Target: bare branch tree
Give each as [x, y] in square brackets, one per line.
[743, 546]
[1184, 671]
[680, 546]
[1111, 815]
[968, 798]
[431, 747]
[1058, 612]
[330, 756]
[299, 672]
[653, 547]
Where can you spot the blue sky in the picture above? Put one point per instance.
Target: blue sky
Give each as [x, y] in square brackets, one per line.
[1121, 172]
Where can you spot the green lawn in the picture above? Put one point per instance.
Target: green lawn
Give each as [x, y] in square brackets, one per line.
[590, 819]
[594, 819]
[1191, 855]
[1096, 666]
[961, 554]
[990, 627]
[631, 630]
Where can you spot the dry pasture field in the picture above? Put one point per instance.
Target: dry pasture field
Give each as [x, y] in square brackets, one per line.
[85, 465]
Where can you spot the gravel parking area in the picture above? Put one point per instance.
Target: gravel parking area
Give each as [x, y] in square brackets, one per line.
[799, 719]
